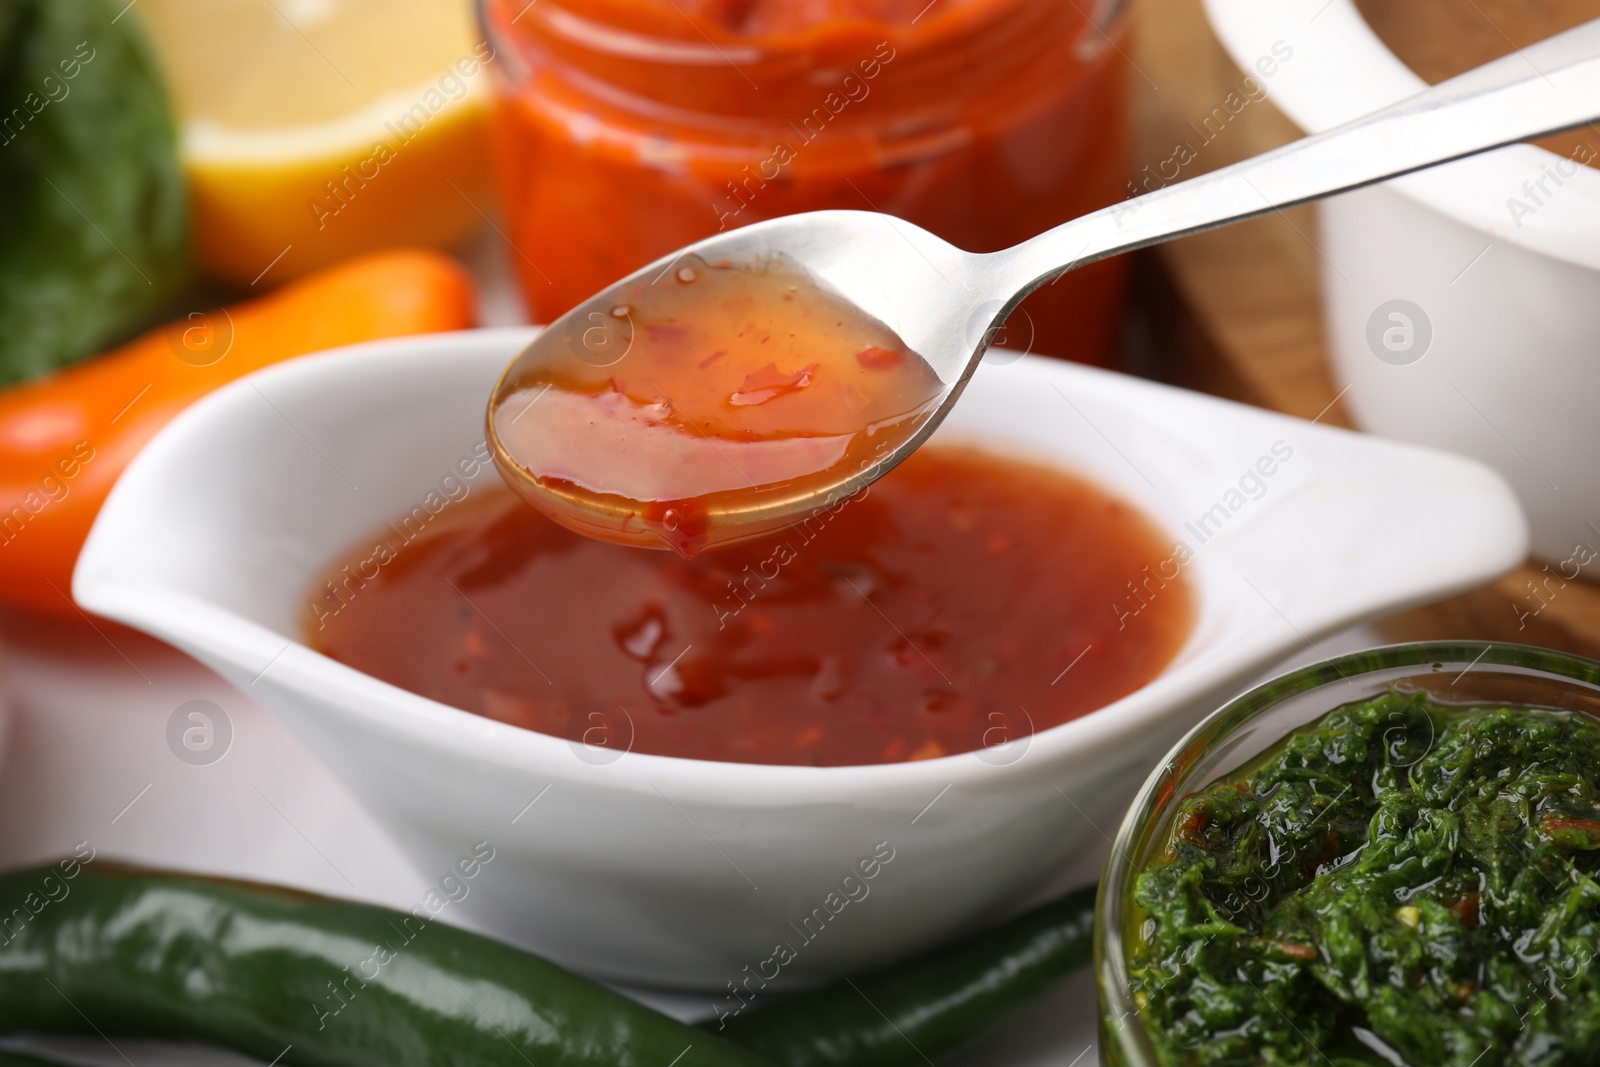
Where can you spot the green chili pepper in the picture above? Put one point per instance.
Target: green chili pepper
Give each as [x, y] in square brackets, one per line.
[911, 1014]
[303, 980]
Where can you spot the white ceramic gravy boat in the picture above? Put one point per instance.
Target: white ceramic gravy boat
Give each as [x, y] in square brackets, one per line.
[684, 873]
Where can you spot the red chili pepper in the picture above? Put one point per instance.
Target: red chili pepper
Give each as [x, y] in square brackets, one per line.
[1466, 909]
[1572, 834]
[1190, 826]
[1293, 950]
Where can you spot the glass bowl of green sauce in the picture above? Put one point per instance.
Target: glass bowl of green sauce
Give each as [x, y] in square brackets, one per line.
[1388, 858]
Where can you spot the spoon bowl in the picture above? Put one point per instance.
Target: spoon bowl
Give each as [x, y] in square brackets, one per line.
[904, 295]
[621, 459]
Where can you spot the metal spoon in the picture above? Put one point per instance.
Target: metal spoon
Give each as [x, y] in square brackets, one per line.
[945, 304]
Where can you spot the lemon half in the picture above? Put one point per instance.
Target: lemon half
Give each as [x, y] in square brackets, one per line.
[315, 130]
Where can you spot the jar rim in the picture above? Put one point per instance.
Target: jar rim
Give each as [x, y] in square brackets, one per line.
[1123, 1039]
[623, 43]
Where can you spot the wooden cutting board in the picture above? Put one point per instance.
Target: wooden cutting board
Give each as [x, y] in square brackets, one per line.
[1237, 311]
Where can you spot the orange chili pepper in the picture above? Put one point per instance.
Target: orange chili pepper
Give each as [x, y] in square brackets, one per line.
[65, 439]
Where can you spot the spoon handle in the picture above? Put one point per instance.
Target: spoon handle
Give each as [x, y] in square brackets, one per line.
[1551, 86]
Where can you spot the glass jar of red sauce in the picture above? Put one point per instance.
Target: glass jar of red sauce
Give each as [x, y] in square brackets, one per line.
[629, 128]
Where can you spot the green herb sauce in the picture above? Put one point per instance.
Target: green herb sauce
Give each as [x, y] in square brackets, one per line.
[1401, 882]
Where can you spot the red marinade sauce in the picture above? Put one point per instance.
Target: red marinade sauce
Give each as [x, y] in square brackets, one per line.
[666, 419]
[961, 603]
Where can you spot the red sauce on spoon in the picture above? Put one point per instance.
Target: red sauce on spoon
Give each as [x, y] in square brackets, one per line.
[673, 413]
